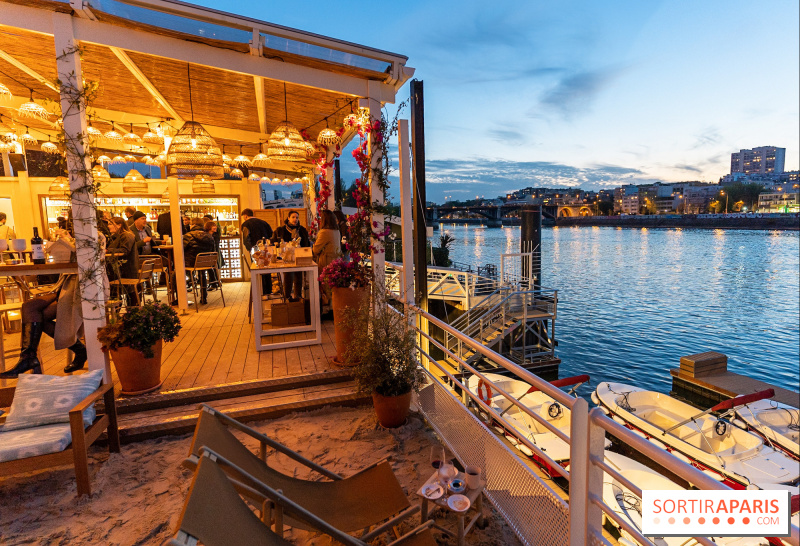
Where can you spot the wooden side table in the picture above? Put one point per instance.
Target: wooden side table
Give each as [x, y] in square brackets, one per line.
[475, 497]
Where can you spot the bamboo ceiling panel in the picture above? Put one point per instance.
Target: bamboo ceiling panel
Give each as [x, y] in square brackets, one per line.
[224, 99]
[306, 107]
[119, 89]
[37, 52]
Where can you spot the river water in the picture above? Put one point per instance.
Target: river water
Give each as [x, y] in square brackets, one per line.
[631, 302]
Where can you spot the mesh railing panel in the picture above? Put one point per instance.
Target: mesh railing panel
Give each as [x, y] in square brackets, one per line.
[529, 506]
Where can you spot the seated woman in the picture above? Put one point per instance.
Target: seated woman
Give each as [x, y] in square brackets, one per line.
[291, 230]
[196, 241]
[62, 307]
[122, 254]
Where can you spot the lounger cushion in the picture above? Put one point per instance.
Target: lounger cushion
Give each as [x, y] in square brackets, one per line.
[46, 399]
[30, 442]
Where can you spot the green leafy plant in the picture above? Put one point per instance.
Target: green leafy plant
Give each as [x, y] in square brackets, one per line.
[384, 346]
[140, 328]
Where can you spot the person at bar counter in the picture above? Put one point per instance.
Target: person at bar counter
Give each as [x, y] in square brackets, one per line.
[253, 230]
[186, 223]
[196, 241]
[5, 231]
[63, 308]
[288, 232]
[327, 247]
[129, 212]
[145, 243]
[122, 254]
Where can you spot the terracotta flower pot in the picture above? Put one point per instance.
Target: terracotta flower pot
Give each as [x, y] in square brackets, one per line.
[137, 374]
[343, 299]
[392, 411]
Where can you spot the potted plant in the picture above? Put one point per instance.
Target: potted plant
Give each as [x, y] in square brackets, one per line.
[383, 350]
[134, 342]
[349, 281]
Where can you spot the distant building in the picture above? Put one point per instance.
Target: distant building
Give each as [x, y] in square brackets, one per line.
[781, 201]
[764, 160]
[626, 199]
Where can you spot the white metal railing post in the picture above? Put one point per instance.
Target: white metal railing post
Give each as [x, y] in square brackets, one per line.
[594, 475]
[578, 470]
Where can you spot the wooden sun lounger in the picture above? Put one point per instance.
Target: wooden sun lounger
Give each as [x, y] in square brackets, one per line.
[216, 515]
[372, 497]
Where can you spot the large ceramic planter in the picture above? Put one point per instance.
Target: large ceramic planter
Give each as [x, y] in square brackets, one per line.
[343, 299]
[137, 374]
[392, 411]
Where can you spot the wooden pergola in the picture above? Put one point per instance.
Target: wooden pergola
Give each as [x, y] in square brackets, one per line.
[149, 57]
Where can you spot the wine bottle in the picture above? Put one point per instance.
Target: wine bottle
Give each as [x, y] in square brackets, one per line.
[37, 248]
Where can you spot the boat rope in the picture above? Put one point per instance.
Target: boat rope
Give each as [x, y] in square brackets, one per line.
[625, 404]
[629, 501]
[794, 419]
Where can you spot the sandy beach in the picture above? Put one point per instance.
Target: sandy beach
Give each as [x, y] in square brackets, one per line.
[138, 494]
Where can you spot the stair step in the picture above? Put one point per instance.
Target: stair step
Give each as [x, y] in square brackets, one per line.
[181, 419]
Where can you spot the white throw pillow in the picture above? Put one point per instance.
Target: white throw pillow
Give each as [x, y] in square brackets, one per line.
[46, 399]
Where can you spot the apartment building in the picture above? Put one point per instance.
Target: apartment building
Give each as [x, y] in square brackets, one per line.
[764, 160]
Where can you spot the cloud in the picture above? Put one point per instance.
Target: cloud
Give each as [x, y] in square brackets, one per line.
[507, 136]
[708, 137]
[685, 167]
[464, 179]
[574, 94]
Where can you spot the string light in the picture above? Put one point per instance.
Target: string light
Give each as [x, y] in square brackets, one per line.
[32, 110]
[131, 137]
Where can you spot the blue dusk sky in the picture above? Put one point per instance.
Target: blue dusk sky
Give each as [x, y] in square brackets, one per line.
[579, 93]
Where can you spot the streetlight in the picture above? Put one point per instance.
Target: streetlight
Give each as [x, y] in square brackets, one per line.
[726, 201]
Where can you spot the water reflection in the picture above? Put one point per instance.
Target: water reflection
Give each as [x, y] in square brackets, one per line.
[632, 302]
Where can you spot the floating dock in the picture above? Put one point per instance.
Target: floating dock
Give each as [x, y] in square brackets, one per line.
[704, 379]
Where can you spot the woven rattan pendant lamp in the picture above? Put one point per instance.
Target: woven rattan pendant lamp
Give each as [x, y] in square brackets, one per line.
[134, 182]
[59, 189]
[202, 184]
[285, 142]
[100, 176]
[328, 137]
[193, 151]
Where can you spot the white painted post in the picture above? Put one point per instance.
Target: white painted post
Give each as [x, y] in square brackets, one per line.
[578, 469]
[73, 109]
[375, 193]
[177, 244]
[594, 477]
[406, 212]
[330, 154]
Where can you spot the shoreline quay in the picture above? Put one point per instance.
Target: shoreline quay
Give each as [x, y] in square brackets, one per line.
[785, 222]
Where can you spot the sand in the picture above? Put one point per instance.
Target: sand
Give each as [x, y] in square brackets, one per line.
[138, 494]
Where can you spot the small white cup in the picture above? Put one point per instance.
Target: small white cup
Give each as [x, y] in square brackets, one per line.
[472, 476]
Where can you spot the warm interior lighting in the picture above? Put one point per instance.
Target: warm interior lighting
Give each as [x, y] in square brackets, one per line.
[59, 189]
[193, 152]
[202, 184]
[112, 135]
[131, 137]
[236, 173]
[5, 93]
[134, 182]
[49, 148]
[32, 110]
[100, 176]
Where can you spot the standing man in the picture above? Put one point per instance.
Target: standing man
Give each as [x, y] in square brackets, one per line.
[253, 230]
[8, 233]
[129, 212]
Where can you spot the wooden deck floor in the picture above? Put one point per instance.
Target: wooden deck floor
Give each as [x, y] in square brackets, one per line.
[215, 346]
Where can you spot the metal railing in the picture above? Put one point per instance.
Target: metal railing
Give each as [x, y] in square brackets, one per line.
[511, 485]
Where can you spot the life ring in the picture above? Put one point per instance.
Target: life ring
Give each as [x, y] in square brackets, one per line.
[721, 427]
[485, 392]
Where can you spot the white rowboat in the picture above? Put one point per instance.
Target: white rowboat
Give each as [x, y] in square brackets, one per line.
[740, 457]
[778, 423]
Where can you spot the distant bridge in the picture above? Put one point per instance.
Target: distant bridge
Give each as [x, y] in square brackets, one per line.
[494, 214]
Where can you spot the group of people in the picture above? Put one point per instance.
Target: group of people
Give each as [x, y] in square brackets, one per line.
[327, 246]
[127, 240]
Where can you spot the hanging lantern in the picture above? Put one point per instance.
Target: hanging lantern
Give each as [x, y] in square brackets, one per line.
[59, 189]
[5, 93]
[226, 159]
[159, 160]
[112, 135]
[49, 148]
[202, 184]
[261, 160]
[134, 182]
[104, 159]
[241, 161]
[276, 181]
[328, 137]
[118, 159]
[146, 159]
[27, 139]
[131, 137]
[226, 168]
[153, 138]
[285, 143]
[100, 176]
[93, 133]
[266, 180]
[236, 173]
[130, 159]
[254, 177]
[188, 154]
[32, 110]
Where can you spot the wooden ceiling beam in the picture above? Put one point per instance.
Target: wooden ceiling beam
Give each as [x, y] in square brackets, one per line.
[28, 70]
[261, 103]
[146, 83]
